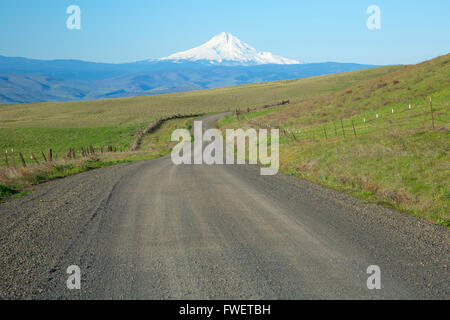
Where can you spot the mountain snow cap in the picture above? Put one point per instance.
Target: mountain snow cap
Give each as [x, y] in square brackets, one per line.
[227, 49]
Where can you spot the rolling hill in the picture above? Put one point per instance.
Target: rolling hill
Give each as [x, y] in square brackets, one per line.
[37, 127]
[222, 61]
[25, 81]
[377, 140]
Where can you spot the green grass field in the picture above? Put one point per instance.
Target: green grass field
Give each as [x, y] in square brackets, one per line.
[16, 180]
[397, 159]
[38, 127]
[160, 139]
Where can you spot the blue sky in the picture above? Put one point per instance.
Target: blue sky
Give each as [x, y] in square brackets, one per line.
[309, 31]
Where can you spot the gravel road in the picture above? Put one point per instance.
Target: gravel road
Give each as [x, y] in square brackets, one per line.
[153, 230]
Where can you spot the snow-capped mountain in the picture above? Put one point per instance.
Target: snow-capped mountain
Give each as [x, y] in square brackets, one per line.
[226, 49]
[29, 80]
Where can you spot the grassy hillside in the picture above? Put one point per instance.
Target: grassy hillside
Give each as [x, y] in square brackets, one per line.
[15, 180]
[37, 127]
[382, 151]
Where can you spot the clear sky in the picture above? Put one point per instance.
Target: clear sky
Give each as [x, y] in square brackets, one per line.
[309, 31]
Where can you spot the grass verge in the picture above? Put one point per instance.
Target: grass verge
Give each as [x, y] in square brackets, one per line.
[16, 181]
[396, 159]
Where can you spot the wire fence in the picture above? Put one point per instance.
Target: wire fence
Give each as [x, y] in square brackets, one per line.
[373, 123]
[16, 158]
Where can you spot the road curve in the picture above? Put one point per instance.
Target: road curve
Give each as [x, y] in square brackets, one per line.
[153, 230]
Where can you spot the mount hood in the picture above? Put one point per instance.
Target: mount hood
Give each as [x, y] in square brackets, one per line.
[226, 49]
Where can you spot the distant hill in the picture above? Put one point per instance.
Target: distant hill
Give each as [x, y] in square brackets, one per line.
[28, 80]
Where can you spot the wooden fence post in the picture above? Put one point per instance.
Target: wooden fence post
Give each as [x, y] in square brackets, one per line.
[91, 149]
[342, 126]
[43, 156]
[50, 155]
[432, 114]
[293, 136]
[22, 160]
[354, 130]
[325, 132]
[73, 153]
[34, 158]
